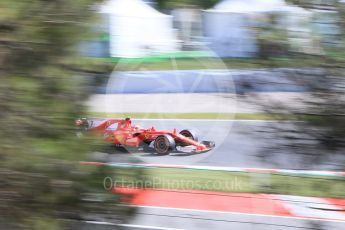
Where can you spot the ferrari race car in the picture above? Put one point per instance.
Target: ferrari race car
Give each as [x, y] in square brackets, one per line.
[121, 132]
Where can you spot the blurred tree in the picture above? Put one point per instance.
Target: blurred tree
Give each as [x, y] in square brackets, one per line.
[41, 181]
[322, 133]
[272, 38]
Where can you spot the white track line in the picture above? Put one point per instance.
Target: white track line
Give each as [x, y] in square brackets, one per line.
[214, 120]
[311, 207]
[235, 169]
[131, 225]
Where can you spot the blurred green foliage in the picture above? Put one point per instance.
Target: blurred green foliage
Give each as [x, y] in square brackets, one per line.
[41, 181]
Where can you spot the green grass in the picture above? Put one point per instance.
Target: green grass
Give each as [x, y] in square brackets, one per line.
[204, 62]
[215, 116]
[234, 182]
[189, 61]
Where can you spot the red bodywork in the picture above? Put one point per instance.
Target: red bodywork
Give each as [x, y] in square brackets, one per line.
[128, 135]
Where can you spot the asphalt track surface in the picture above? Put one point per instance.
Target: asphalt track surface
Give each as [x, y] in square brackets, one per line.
[238, 144]
[198, 103]
[206, 81]
[176, 219]
[192, 219]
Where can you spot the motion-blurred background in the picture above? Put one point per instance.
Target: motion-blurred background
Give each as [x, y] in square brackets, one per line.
[274, 68]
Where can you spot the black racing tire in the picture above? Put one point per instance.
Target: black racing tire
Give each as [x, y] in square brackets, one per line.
[164, 144]
[189, 133]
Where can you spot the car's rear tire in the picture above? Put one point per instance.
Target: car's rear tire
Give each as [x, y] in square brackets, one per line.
[164, 144]
[189, 133]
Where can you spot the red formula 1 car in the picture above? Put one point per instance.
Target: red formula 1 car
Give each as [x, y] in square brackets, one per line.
[161, 142]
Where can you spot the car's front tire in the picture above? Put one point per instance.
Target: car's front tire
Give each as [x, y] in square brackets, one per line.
[191, 134]
[164, 144]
